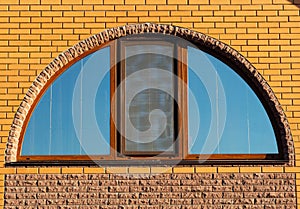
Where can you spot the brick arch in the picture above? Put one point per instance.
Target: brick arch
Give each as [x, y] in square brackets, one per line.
[215, 47]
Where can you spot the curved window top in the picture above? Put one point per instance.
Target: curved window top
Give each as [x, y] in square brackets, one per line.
[232, 118]
[74, 112]
[188, 104]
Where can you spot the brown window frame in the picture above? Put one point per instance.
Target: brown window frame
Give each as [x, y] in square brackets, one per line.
[122, 150]
[117, 141]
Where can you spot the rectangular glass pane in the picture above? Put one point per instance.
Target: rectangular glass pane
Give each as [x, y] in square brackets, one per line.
[148, 75]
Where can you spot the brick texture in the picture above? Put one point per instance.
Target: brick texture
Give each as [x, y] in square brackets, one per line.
[34, 32]
[195, 190]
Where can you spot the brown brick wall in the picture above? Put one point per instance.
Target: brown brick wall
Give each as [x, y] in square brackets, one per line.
[197, 190]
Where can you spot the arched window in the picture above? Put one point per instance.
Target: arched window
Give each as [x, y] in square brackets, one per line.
[150, 96]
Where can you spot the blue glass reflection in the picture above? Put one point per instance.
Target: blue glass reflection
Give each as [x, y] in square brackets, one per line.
[61, 123]
[246, 129]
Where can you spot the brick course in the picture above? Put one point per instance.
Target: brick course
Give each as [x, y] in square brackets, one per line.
[197, 190]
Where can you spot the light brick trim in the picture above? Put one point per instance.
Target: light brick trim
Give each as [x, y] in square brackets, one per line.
[215, 47]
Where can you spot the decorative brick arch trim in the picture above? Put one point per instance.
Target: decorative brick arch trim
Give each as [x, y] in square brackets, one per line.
[204, 42]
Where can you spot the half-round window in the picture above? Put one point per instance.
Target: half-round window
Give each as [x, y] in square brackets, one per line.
[150, 96]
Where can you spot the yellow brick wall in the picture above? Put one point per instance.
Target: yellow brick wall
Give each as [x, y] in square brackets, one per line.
[33, 32]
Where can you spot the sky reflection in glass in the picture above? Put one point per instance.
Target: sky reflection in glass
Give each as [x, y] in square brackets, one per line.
[247, 128]
[73, 116]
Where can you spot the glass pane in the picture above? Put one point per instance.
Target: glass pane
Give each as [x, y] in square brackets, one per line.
[151, 103]
[232, 118]
[73, 116]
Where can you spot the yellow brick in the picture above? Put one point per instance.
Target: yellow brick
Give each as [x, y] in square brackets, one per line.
[213, 19]
[191, 19]
[94, 170]
[7, 170]
[41, 19]
[127, 19]
[52, 13]
[272, 7]
[183, 170]
[234, 19]
[137, 13]
[250, 169]
[197, 2]
[71, 2]
[236, 30]
[223, 13]
[261, 2]
[247, 2]
[202, 13]
[249, 48]
[170, 19]
[206, 169]
[71, 170]
[94, 13]
[115, 13]
[280, 78]
[101, 7]
[84, 19]
[245, 13]
[139, 170]
[228, 169]
[156, 2]
[29, 37]
[114, 2]
[61, 31]
[159, 13]
[148, 19]
[258, 42]
[18, 7]
[268, 24]
[184, 24]
[106, 19]
[27, 170]
[291, 96]
[287, 25]
[258, 54]
[117, 170]
[187, 7]
[49, 170]
[80, 31]
[268, 36]
[29, 1]
[272, 169]
[177, 1]
[224, 25]
[62, 19]
[255, 19]
[203, 25]
[30, 13]
[230, 7]
[145, 7]
[181, 13]
[71, 14]
[216, 30]
[92, 1]
[161, 170]
[19, 31]
[62, 7]
[223, 37]
[134, 1]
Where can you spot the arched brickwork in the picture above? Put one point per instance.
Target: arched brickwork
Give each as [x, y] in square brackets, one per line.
[204, 42]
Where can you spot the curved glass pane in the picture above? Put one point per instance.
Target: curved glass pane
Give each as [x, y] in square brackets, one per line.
[73, 116]
[231, 118]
